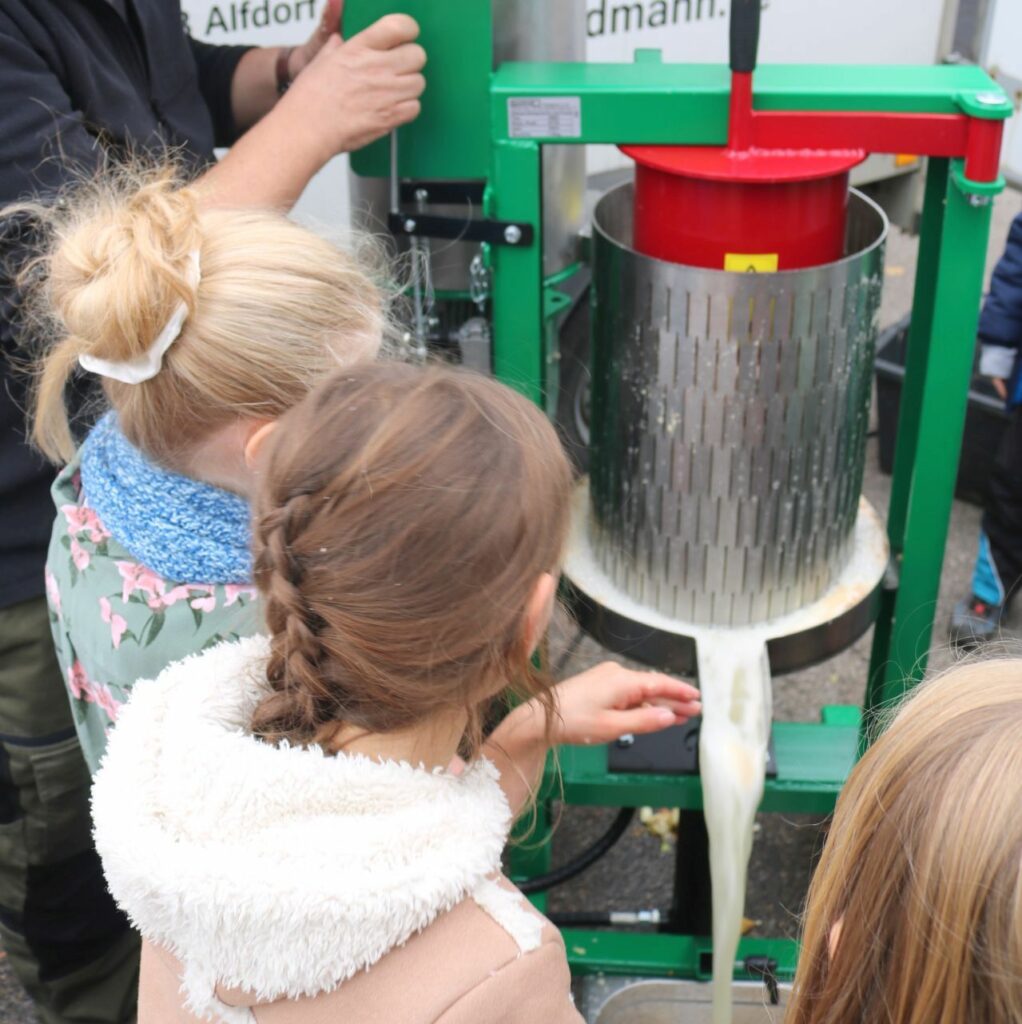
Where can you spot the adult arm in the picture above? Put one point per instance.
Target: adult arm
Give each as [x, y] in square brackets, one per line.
[253, 87]
[349, 94]
[219, 67]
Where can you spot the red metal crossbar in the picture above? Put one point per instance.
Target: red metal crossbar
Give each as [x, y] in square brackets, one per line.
[978, 141]
[947, 135]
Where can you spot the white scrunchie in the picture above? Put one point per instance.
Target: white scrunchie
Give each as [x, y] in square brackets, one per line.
[148, 365]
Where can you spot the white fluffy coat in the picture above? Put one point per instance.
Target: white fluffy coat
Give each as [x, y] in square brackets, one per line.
[235, 855]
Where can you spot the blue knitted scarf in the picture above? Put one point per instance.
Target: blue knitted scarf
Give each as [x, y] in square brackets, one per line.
[187, 531]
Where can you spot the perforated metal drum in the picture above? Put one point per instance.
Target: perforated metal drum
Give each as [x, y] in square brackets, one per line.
[729, 418]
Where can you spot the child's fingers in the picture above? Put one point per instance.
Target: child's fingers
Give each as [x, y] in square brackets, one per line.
[648, 719]
[654, 686]
[679, 707]
[648, 687]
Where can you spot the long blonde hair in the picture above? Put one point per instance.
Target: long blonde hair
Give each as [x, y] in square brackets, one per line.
[277, 308]
[915, 911]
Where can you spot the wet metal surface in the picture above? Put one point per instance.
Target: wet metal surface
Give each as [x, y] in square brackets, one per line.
[729, 422]
[815, 631]
[606, 1000]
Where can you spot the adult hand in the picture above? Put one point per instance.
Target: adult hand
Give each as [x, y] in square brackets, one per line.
[609, 701]
[1000, 385]
[354, 91]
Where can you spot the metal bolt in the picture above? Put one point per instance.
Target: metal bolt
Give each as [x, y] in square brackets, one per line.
[421, 195]
[512, 234]
[989, 99]
[409, 226]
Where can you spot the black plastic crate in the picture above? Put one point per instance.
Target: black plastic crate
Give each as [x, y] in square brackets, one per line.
[984, 420]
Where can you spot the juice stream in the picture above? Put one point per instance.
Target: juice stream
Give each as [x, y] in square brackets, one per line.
[734, 680]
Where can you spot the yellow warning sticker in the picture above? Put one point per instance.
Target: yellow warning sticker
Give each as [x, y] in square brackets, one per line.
[750, 262]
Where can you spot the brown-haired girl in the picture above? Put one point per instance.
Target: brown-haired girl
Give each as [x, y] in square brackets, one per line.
[283, 817]
[201, 324]
[915, 911]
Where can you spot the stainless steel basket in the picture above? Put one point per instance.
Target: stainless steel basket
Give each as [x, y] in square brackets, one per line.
[729, 419]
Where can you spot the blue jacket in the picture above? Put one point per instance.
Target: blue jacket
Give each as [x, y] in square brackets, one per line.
[1000, 322]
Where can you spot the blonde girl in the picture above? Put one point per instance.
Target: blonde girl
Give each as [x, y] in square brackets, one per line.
[201, 324]
[915, 911]
[283, 818]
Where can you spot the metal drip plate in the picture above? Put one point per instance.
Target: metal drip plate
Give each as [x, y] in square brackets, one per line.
[796, 640]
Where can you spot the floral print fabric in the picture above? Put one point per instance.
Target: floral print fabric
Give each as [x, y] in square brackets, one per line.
[115, 621]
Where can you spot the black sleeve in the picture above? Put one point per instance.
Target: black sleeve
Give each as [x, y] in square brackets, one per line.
[46, 145]
[217, 65]
[44, 138]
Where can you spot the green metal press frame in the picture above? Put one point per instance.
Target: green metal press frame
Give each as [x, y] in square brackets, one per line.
[649, 102]
[464, 133]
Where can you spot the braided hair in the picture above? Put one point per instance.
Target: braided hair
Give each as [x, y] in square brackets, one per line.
[402, 521]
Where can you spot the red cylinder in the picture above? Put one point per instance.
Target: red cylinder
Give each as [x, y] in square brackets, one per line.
[748, 210]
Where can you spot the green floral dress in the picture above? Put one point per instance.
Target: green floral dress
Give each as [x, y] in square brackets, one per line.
[115, 621]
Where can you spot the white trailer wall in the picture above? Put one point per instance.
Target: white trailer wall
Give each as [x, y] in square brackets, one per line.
[1002, 57]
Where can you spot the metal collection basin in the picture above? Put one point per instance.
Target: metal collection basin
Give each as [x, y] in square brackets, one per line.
[660, 1001]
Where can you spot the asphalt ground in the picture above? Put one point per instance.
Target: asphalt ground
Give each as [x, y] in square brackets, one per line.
[638, 872]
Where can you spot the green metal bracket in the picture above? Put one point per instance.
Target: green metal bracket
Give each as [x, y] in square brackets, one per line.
[516, 189]
[528, 854]
[644, 102]
[985, 191]
[941, 350]
[986, 104]
[813, 761]
[666, 956]
[554, 302]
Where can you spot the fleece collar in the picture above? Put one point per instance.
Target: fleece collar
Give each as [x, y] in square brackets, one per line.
[277, 870]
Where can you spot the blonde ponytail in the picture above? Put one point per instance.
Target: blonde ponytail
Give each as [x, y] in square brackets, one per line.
[276, 309]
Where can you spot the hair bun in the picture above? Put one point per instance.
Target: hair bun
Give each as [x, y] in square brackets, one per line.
[122, 264]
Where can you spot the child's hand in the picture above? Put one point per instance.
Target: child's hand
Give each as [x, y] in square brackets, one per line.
[598, 706]
[609, 701]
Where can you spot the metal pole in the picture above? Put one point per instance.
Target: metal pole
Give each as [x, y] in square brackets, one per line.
[938, 368]
[395, 181]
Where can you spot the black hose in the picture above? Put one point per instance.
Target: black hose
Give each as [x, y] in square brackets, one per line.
[580, 918]
[603, 918]
[585, 859]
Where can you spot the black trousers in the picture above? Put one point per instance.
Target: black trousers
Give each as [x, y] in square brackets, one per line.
[999, 566]
[65, 939]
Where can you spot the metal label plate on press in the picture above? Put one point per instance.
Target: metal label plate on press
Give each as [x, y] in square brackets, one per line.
[544, 117]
